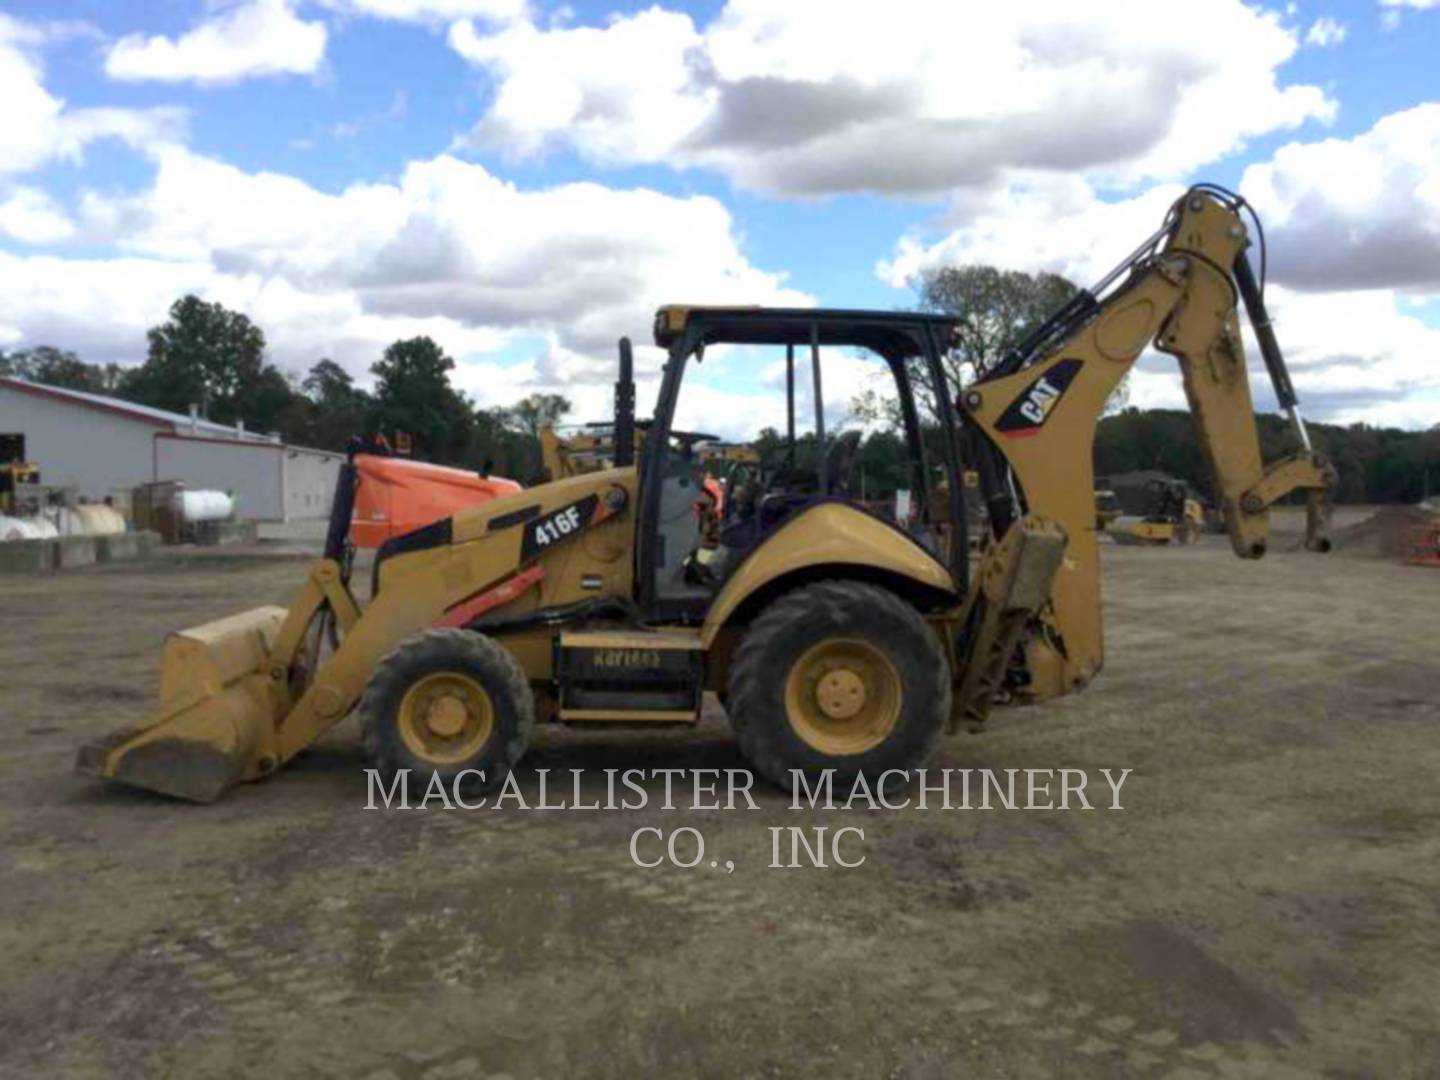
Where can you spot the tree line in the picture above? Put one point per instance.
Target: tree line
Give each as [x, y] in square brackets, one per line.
[1375, 465]
[214, 358]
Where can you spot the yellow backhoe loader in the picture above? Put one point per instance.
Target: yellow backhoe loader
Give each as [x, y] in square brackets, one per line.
[835, 639]
[1171, 517]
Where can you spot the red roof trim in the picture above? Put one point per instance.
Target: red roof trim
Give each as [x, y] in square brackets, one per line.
[38, 390]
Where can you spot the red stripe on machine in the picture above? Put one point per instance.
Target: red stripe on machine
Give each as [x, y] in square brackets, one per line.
[477, 605]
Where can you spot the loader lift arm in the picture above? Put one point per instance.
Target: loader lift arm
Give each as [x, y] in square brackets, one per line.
[241, 696]
[1031, 421]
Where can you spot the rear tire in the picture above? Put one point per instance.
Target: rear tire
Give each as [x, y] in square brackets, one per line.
[840, 675]
[444, 702]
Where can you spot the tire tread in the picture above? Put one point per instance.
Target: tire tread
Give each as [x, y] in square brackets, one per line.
[836, 600]
[439, 648]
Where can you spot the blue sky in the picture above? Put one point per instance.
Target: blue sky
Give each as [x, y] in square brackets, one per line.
[526, 181]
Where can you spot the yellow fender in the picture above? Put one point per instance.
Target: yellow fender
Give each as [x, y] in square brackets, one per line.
[825, 534]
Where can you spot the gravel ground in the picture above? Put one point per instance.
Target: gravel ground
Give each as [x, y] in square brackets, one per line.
[1267, 903]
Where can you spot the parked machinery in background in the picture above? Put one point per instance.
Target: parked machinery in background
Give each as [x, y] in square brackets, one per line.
[21, 503]
[1107, 508]
[19, 481]
[397, 495]
[33, 510]
[1169, 513]
[1423, 538]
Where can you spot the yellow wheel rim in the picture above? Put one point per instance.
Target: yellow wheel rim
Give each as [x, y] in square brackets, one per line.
[843, 697]
[445, 718]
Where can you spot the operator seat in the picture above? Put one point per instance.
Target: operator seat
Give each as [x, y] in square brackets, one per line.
[742, 536]
[841, 457]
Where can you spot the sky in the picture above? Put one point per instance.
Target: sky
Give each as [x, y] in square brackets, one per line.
[525, 182]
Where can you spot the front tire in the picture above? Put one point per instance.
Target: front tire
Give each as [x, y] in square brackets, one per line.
[444, 702]
[840, 675]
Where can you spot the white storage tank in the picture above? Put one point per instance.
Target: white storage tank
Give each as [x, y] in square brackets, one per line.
[198, 506]
[12, 528]
[99, 520]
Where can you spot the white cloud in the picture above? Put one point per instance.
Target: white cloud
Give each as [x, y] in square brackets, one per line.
[1339, 214]
[1325, 32]
[621, 94]
[1355, 342]
[31, 216]
[1416, 415]
[1355, 213]
[528, 289]
[102, 307]
[1059, 225]
[244, 40]
[449, 240]
[928, 98]
[98, 307]
[1390, 17]
[38, 127]
[430, 11]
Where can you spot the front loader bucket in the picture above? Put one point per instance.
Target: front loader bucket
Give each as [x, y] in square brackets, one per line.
[217, 718]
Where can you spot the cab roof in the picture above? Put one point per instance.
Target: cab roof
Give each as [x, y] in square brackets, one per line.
[890, 333]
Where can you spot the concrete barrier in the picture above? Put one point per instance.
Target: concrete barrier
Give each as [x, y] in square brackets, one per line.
[73, 551]
[43, 556]
[123, 546]
[28, 556]
[224, 533]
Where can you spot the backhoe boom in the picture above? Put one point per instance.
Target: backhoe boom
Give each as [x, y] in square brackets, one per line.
[1035, 416]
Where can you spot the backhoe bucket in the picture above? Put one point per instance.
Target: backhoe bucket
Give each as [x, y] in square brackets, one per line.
[217, 718]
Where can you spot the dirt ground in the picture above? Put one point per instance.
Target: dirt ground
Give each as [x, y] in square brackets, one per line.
[1267, 903]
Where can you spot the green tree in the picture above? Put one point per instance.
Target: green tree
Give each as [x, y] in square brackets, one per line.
[523, 422]
[496, 447]
[885, 464]
[334, 408]
[413, 395]
[1375, 465]
[993, 308]
[207, 355]
[264, 401]
[530, 414]
[330, 385]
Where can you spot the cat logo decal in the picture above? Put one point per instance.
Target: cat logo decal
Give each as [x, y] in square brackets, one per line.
[1028, 412]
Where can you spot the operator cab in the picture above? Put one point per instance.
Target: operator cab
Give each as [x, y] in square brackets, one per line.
[678, 566]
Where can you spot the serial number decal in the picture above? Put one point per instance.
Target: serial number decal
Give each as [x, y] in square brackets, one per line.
[625, 658]
[1028, 412]
[549, 529]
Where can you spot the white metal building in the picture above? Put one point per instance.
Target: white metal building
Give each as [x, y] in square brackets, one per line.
[101, 444]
